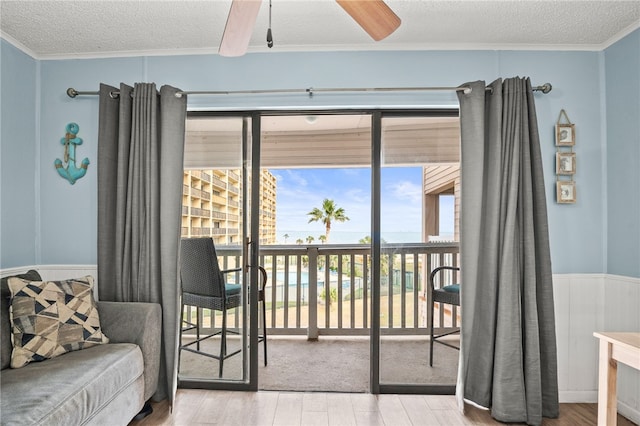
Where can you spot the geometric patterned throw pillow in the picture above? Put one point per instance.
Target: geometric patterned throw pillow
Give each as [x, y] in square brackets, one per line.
[50, 318]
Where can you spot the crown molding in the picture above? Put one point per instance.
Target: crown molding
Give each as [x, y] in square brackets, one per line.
[622, 34]
[15, 43]
[332, 48]
[422, 47]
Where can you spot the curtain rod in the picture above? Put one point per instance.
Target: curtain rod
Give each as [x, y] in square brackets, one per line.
[545, 88]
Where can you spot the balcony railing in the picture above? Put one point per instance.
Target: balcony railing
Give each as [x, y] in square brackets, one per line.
[216, 214]
[200, 212]
[340, 301]
[219, 182]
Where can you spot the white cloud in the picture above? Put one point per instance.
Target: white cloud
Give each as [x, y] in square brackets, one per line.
[405, 190]
[296, 178]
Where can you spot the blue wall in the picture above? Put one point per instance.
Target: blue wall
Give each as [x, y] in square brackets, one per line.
[623, 156]
[18, 158]
[68, 213]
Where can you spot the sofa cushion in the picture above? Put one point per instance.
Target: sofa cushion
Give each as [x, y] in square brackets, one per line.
[72, 388]
[5, 322]
[50, 318]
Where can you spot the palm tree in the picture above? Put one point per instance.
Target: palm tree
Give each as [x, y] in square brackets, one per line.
[285, 238]
[384, 260]
[299, 241]
[323, 238]
[310, 239]
[327, 214]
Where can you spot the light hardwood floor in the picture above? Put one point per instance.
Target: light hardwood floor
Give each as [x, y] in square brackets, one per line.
[200, 407]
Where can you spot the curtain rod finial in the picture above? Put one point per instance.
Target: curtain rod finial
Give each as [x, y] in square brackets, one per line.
[71, 92]
[546, 88]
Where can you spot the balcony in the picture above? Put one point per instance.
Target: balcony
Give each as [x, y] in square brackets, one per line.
[199, 232]
[216, 214]
[296, 308]
[339, 307]
[218, 199]
[200, 212]
[219, 183]
[197, 193]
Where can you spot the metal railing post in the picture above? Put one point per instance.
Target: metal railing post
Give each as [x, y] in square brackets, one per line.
[312, 331]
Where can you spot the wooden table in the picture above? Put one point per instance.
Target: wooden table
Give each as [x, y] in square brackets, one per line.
[614, 348]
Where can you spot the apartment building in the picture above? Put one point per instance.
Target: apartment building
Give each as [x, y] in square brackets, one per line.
[212, 206]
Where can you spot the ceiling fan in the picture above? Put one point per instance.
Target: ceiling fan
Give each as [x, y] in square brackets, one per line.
[374, 16]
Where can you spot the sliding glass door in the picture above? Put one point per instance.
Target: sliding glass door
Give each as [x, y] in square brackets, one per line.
[395, 173]
[417, 191]
[218, 203]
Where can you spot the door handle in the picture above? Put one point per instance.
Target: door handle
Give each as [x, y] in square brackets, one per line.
[249, 245]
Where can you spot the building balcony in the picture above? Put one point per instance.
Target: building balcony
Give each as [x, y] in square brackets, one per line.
[219, 183]
[219, 200]
[197, 193]
[200, 212]
[218, 214]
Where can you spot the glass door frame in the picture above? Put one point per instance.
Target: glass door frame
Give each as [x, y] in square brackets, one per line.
[376, 225]
[250, 250]
[251, 155]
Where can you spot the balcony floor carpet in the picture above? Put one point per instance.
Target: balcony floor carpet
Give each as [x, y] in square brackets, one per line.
[330, 364]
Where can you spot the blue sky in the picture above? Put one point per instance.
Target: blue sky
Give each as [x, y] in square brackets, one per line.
[300, 190]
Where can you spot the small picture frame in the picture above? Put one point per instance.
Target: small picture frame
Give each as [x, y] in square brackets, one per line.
[565, 163]
[566, 192]
[565, 135]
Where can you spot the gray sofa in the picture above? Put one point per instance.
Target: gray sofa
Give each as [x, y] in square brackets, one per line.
[106, 384]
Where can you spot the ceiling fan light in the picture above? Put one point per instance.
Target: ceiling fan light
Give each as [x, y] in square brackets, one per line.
[269, 38]
[374, 16]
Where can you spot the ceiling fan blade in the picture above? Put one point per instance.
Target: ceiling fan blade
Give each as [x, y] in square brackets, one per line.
[239, 26]
[374, 16]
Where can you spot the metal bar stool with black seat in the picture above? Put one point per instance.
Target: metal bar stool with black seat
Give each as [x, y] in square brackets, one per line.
[449, 294]
[204, 286]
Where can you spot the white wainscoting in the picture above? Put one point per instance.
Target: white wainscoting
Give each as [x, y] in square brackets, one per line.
[59, 272]
[584, 303]
[594, 302]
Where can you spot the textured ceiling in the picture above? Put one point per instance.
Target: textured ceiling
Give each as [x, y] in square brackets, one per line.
[89, 28]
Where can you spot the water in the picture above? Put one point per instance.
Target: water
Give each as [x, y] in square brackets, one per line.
[304, 279]
[347, 237]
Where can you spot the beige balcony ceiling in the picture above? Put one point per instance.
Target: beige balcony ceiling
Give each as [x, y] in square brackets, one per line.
[324, 141]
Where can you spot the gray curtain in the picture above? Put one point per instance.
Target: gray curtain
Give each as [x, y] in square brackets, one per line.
[140, 168]
[508, 358]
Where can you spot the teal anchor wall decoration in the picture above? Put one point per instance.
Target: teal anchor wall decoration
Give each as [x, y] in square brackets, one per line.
[71, 172]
